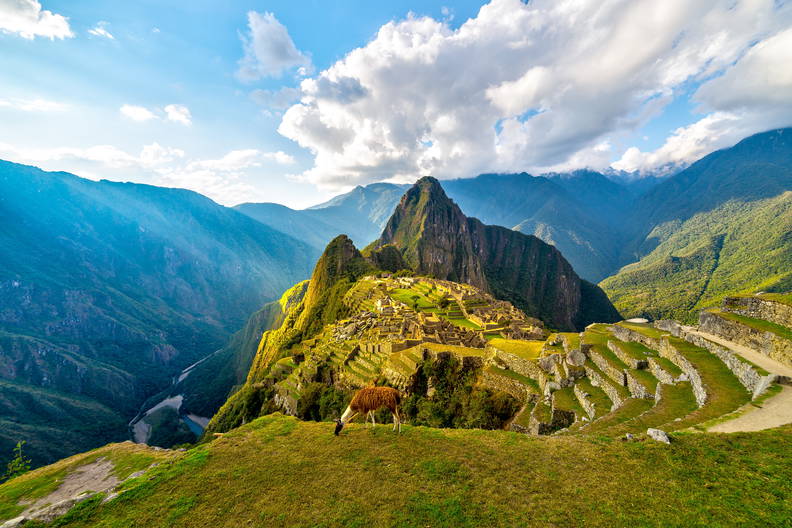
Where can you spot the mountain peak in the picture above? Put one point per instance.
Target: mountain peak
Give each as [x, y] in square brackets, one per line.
[435, 238]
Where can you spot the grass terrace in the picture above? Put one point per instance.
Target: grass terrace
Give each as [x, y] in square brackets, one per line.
[725, 393]
[756, 324]
[525, 380]
[644, 329]
[676, 400]
[602, 403]
[632, 407]
[524, 349]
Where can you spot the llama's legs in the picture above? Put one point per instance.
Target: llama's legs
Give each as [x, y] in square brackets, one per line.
[395, 420]
[373, 423]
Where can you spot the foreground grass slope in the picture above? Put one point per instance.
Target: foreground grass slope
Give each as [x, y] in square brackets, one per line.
[278, 471]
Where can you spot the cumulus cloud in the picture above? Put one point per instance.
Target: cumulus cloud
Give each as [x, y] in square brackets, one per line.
[280, 99]
[753, 95]
[522, 86]
[27, 19]
[100, 30]
[269, 49]
[137, 113]
[179, 114]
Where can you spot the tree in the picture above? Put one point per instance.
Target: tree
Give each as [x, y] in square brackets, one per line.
[415, 301]
[443, 303]
[18, 465]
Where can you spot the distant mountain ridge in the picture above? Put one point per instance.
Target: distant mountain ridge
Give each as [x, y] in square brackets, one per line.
[109, 289]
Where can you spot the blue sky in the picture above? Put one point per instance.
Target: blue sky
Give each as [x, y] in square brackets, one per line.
[155, 92]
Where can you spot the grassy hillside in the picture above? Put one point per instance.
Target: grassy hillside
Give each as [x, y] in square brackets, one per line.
[278, 471]
[739, 247]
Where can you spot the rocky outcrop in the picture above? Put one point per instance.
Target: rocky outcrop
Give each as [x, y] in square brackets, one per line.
[435, 238]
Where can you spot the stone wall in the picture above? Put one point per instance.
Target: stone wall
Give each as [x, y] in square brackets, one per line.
[585, 401]
[626, 334]
[668, 351]
[662, 375]
[753, 378]
[527, 368]
[508, 385]
[606, 385]
[632, 362]
[758, 308]
[637, 390]
[767, 343]
[616, 374]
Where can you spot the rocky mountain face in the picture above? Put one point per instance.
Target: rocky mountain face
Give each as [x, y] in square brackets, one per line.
[437, 239]
[107, 290]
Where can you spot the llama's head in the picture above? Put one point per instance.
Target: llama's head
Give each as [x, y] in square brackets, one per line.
[338, 427]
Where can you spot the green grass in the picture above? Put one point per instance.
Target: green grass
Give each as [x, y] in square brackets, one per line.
[525, 380]
[278, 472]
[644, 329]
[464, 323]
[669, 366]
[645, 378]
[573, 338]
[784, 298]
[635, 350]
[127, 458]
[565, 399]
[725, 393]
[771, 391]
[677, 400]
[629, 410]
[598, 397]
[621, 389]
[756, 324]
[524, 349]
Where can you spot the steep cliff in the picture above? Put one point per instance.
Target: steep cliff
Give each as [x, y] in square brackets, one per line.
[436, 239]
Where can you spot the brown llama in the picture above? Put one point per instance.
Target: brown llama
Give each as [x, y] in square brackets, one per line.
[370, 399]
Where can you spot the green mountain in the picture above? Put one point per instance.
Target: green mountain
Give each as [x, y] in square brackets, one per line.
[108, 290]
[437, 239]
[718, 228]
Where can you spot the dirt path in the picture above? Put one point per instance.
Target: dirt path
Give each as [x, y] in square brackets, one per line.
[774, 412]
[757, 358]
[91, 478]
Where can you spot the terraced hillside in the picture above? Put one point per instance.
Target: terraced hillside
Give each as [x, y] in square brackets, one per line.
[429, 337]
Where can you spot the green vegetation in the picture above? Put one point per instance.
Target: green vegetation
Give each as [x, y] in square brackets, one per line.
[18, 465]
[725, 393]
[756, 324]
[524, 349]
[734, 248]
[127, 458]
[455, 400]
[270, 473]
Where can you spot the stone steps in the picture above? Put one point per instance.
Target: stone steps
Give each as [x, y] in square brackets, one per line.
[618, 394]
[593, 399]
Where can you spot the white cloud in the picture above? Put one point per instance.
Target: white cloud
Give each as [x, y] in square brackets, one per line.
[155, 155]
[27, 19]
[242, 159]
[100, 30]
[33, 105]
[269, 50]
[753, 95]
[137, 113]
[522, 86]
[179, 114]
[228, 180]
